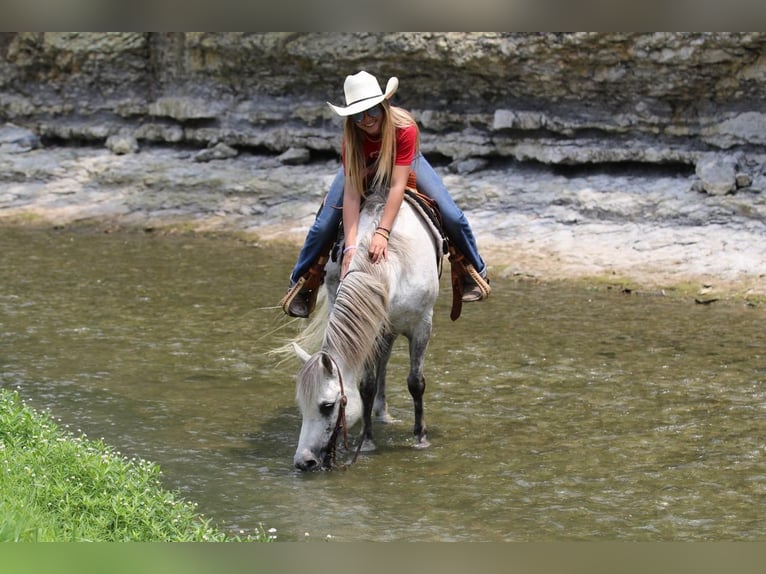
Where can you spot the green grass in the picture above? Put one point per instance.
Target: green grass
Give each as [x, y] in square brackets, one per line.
[55, 486]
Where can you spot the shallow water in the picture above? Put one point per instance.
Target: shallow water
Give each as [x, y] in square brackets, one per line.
[555, 412]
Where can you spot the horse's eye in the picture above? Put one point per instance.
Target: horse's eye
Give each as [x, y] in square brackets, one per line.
[326, 409]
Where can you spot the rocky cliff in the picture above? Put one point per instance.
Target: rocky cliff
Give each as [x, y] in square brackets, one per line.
[557, 98]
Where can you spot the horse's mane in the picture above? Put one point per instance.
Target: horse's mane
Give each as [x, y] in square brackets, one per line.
[359, 315]
[353, 328]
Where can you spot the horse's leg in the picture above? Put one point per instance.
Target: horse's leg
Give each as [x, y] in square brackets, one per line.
[416, 381]
[380, 407]
[367, 389]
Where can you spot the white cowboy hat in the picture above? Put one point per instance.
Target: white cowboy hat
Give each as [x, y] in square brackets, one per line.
[363, 92]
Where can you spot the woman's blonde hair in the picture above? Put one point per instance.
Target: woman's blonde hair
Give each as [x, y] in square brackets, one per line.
[393, 118]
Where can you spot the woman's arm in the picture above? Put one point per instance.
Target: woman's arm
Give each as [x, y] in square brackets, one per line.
[351, 205]
[379, 244]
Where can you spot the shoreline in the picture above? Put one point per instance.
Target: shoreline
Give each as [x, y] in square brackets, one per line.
[637, 230]
[508, 261]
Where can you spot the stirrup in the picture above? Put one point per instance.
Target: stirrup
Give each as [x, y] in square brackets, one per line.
[480, 281]
[292, 293]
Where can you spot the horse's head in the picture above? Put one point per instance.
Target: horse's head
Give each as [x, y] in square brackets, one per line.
[327, 413]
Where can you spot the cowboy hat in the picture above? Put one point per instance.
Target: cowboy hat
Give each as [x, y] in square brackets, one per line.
[363, 92]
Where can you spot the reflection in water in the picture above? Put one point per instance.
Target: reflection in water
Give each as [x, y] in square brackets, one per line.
[555, 413]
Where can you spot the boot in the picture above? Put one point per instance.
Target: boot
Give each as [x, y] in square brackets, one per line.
[473, 292]
[299, 301]
[299, 306]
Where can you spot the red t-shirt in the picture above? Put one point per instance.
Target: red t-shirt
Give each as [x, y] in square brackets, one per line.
[406, 139]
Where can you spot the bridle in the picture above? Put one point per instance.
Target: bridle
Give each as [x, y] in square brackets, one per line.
[340, 424]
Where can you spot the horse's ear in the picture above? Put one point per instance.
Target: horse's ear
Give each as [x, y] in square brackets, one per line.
[327, 363]
[302, 355]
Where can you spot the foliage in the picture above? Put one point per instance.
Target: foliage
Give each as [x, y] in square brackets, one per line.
[55, 486]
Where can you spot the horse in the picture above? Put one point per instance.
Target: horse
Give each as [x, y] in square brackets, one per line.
[344, 381]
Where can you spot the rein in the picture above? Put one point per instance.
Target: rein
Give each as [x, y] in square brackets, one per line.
[340, 423]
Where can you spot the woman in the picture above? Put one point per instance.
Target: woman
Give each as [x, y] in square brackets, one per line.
[380, 148]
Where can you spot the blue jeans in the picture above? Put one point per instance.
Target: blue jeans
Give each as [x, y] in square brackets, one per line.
[324, 230]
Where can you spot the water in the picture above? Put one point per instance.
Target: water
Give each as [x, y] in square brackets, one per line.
[555, 412]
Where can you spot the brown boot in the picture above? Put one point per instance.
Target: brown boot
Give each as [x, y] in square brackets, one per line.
[300, 305]
[473, 292]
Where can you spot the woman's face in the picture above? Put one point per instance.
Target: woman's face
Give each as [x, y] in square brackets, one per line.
[370, 121]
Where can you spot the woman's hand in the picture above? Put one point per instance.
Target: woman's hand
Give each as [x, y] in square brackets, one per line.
[348, 255]
[378, 248]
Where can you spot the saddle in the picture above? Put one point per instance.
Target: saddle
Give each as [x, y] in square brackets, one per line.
[429, 211]
[459, 267]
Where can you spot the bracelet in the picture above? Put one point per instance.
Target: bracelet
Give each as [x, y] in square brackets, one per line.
[384, 229]
[382, 233]
[349, 248]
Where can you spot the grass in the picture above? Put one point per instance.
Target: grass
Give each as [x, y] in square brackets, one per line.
[55, 486]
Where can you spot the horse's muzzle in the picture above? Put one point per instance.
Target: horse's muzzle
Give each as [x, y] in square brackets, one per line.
[305, 465]
[306, 461]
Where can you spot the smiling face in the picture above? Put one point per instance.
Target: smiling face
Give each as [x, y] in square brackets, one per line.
[370, 121]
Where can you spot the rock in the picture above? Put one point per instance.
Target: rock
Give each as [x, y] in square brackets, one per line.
[295, 156]
[759, 184]
[743, 180]
[157, 132]
[558, 98]
[121, 144]
[14, 139]
[467, 166]
[520, 120]
[744, 128]
[183, 108]
[218, 151]
[717, 174]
